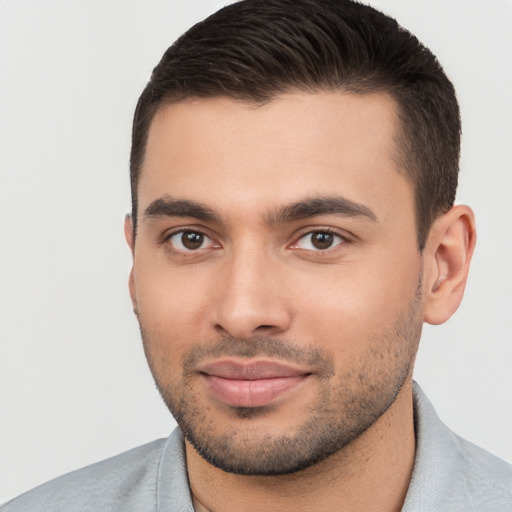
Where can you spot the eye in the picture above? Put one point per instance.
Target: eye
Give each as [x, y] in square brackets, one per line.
[318, 241]
[188, 241]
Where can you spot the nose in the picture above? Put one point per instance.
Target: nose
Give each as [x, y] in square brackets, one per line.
[251, 297]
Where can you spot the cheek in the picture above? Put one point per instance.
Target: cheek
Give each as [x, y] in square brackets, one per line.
[356, 306]
[170, 307]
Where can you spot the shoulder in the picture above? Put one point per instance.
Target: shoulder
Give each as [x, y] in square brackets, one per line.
[451, 474]
[487, 478]
[124, 482]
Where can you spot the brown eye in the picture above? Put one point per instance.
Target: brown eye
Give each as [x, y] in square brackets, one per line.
[191, 240]
[319, 241]
[186, 241]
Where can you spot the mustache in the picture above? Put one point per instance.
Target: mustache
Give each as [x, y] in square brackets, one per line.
[273, 348]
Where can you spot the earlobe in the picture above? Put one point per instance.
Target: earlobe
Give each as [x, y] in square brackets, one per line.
[447, 258]
[131, 288]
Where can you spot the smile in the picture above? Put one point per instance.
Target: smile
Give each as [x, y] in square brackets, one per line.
[253, 384]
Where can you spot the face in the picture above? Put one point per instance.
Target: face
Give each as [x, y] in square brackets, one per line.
[276, 278]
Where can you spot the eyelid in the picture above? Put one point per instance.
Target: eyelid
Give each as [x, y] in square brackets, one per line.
[166, 234]
[166, 237]
[344, 238]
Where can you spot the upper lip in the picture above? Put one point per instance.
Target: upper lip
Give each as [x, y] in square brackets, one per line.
[250, 370]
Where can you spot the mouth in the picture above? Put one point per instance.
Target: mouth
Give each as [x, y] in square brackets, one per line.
[250, 383]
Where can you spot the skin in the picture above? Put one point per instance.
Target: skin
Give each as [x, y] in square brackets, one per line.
[256, 288]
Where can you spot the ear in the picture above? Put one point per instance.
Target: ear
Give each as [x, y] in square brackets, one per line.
[128, 231]
[447, 256]
[128, 234]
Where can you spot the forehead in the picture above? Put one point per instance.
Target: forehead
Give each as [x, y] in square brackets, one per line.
[218, 150]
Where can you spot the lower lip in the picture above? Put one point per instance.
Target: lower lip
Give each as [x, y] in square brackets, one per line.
[251, 393]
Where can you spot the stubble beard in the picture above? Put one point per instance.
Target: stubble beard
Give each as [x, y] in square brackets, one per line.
[347, 404]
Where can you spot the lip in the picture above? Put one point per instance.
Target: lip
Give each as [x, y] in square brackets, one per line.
[250, 384]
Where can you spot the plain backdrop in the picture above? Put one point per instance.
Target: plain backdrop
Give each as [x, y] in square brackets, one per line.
[74, 387]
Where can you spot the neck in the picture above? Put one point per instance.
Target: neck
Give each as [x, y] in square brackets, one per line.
[372, 473]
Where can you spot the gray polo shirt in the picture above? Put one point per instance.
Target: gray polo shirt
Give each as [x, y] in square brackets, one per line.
[450, 475]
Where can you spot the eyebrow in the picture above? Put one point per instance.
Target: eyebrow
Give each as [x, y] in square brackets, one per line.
[168, 207]
[308, 208]
[316, 206]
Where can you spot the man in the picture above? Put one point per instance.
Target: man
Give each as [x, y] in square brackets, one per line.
[294, 167]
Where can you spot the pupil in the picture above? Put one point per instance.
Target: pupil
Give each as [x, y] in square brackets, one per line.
[322, 240]
[192, 240]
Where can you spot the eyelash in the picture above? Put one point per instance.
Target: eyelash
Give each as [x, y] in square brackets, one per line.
[343, 239]
[167, 240]
[329, 231]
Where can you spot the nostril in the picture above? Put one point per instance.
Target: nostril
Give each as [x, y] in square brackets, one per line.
[221, 329]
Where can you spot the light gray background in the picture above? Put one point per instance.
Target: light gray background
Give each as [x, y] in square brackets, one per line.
[73, 379]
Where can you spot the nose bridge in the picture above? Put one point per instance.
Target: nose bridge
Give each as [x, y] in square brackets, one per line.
[251, 299]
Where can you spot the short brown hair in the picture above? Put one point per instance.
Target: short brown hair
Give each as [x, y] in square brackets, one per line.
[254, 50]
